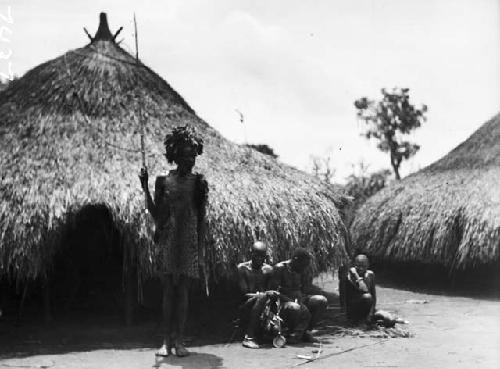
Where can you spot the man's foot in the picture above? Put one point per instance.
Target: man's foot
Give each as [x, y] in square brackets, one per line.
[163, 351]
[401, 321]
[180, 349]
[250, 343]
[308, 337]
[364, 326]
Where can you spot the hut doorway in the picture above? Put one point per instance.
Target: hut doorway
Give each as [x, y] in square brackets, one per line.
[88, 268]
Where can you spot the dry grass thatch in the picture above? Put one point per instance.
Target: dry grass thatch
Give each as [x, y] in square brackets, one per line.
[446, 214]
[70, 136]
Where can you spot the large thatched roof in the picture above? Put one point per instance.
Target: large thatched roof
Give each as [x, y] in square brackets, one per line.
[446, 214]
[70, 136]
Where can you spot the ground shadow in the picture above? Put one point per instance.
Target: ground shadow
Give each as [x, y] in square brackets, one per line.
[196, 360]
[77, 334]
[211, 321]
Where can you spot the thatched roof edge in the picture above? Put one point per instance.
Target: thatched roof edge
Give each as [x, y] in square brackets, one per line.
[448, 213]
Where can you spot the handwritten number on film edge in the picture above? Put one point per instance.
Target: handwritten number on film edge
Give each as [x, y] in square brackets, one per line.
[8, 18]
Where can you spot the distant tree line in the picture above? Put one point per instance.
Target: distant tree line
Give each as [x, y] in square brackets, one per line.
[361, 185]
[322, 167]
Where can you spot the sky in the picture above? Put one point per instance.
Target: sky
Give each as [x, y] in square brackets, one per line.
[294, 67]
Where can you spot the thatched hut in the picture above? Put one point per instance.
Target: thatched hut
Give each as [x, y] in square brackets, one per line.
[447, 214]
[70, 132]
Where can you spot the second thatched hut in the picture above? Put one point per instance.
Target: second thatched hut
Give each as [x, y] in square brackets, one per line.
[446, 215]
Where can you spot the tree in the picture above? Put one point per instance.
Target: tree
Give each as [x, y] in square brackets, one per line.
[322, 167]
[264, 149]
[388, 120]
[316, 165]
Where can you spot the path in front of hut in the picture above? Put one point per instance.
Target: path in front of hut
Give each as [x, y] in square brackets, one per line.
[448, 332]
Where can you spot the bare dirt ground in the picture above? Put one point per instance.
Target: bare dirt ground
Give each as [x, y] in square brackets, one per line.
[448, 332]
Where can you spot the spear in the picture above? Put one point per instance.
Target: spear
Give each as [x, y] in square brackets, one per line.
[141, 121]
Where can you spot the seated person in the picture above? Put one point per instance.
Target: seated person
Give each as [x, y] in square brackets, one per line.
[253, 279]
[300, 311]
[361, 297]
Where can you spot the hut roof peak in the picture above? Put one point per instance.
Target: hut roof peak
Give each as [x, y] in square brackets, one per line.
[103, 32]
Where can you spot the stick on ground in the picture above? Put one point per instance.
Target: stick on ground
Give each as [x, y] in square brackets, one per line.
[341, 352]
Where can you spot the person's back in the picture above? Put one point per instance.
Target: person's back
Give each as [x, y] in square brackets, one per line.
[293, 280]
[288, 281]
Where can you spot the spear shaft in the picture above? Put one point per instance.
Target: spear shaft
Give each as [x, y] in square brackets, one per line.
[141, 121]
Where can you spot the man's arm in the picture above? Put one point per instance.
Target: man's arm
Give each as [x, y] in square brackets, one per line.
[307, 282]
[373, 293]
[275, 278]
[202, 240]
[159, 191]
[150, 205]
[357, 281]
[242, 279]
[268, 272]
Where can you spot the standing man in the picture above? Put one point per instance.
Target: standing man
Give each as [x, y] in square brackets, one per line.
[253, 280]
[179, 211]
[302, 311]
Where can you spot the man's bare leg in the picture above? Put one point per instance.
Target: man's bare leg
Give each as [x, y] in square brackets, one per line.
[259, 303]
[359, 308]
[316, 305]
[167, 308]
[182, 311]
[297, 318]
